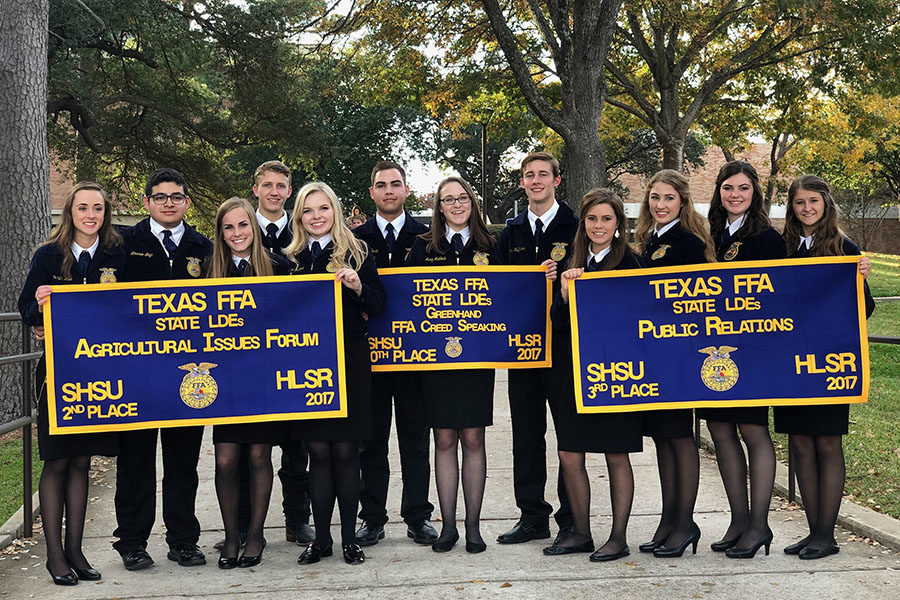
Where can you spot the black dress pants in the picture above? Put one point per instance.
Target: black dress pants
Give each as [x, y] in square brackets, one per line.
[412, 438]
[136, 486]
[529, 392]
[294, 476]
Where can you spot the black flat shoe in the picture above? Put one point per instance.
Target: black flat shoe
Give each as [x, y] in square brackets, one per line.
[300, 534]
[750, 551]
[368, 534]
[795, 548]
[723, 544]
[559, 550]
[475, 547]
[524, 532]
[445, 545]
[314, 553]
[810, 554]
[600, 557]
[650, 546]
[186, 555]
[353, 554]
[137, 559]
[88, 574]
[422, 533]
[251, 561]
[228, 562]
[68, 579]
[676, 551]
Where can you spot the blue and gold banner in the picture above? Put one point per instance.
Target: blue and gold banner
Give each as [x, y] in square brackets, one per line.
[462, 318]
[744, 334]
[167, 354]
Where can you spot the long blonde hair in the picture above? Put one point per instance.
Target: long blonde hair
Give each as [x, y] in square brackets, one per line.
[221, 260]
[691, 220]
[348, 251]
[63, 235]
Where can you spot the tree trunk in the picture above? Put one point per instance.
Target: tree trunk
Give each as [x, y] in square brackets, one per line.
[673, 153]
[585, 168]
[24, 166]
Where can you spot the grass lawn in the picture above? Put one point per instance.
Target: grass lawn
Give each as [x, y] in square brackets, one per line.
[11, 473]
[885, 277]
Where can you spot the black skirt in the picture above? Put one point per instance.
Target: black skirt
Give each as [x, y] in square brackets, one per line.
[675, 423]
[821, 419]
[273, 433]
[357, 425]
[457, 399]
[53, 447]
[753, 415]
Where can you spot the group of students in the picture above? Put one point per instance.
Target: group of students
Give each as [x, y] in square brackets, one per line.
[348, 457]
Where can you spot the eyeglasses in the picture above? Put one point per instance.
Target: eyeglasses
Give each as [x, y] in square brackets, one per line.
[461, 199]
[176, 198]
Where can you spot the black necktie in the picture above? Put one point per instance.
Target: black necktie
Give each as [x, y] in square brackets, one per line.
[272, 236]
[726, 236]
[593, 265]
[168, 244]
[456, 243]
[242, 267]
[654, 239]
[803, 251]
[389, 238]
[538, 232]
[84, 262]
[315, 250]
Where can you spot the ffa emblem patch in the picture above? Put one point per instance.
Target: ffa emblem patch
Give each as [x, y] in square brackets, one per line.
[198, 389]
[559, 251]
[107, 275]
[718, 372]
[193, 266]
[660, 252]
[733, 251]
[453, 347]
[480, 259]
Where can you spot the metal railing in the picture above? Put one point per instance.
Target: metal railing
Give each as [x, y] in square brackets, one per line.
[26, 418]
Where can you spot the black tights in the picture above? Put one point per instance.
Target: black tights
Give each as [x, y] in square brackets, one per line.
[228, 490]
[819, 464]
[679, 478]
[474, 475]
[749, 524]
[64, 488]
[334, 473]
[578, 489]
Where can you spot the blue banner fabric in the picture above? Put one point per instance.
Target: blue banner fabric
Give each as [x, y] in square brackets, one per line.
[749, 334]
[168, 354]
[462, 318]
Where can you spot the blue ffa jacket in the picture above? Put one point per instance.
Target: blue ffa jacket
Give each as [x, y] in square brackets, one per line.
[767, 245]
[371, 235]
[675, 247]
[517, 241]
[420, 256]
[356, 308]
[107, 266]
[146, 260]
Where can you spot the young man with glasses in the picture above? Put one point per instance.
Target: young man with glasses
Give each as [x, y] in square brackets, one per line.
[389, 235]
[542, 235]
[160, 247]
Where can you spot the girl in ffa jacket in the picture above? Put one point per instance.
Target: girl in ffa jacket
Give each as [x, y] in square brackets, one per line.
[458, 403]
[238, 252]
[324, 244]
[83, 248]
[670, 232]
[814, 432]
[601, 244]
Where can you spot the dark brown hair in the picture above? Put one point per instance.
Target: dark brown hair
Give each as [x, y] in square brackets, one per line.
[618, 247]
[482, 240]
[755, 219]
[829, 240]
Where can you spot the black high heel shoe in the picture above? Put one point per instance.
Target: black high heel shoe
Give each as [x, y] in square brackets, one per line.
[810, 554]
[228, 562]
[724, 544]
[314, 553]
[796, 547]
[251, 561]
[750, 551]
[676, 551]
[651, 545]
[69, 578]
[88, 574]
[445, 545]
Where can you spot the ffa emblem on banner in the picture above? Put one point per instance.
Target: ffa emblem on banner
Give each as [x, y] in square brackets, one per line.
[733, 251]
[453, 347]
[559, 251]
[480, 259]
[193, 266]
[198, 389]
[718, 372]
[660, 252]
[107, 275]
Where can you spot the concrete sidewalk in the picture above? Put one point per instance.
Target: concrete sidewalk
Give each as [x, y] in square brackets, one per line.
[398, 568]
